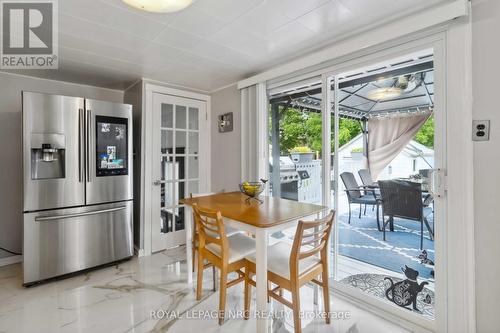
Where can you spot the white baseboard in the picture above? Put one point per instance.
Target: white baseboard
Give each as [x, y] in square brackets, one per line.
[139, 252]
[10, 260]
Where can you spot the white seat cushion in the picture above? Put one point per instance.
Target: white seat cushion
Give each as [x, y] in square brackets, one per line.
[278, 260]
[231, 231]
[240, 246]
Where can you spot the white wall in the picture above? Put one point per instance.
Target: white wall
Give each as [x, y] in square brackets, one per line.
[226, 154]
[11, 182]
[486, 71]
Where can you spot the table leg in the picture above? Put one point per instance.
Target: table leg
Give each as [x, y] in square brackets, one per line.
[261, 279]
[188, 225]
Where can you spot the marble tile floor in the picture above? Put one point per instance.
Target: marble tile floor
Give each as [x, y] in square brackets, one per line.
[150, 295]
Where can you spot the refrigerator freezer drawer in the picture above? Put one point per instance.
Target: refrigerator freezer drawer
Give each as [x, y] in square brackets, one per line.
[63, 241]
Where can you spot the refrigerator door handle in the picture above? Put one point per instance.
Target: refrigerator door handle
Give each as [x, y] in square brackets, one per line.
[87, 150]
[68, 216]
[81, 140]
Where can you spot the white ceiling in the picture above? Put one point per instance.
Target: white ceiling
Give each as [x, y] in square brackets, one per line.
[210, 44]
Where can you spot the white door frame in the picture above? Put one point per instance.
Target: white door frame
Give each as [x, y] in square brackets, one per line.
[455, 296]
[149, 155]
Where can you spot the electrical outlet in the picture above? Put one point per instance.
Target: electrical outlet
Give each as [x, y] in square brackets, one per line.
[480, 130]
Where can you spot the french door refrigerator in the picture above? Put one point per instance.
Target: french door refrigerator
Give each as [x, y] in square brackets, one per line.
[77, 160]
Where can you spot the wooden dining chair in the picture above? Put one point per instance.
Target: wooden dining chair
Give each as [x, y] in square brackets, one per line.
[195, 241]
[227, 253]
[292, 266]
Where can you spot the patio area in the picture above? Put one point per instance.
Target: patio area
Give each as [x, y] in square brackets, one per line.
[361, 240]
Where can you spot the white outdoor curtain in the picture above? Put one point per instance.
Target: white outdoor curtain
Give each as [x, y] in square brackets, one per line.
[253, 132]
[387, 137]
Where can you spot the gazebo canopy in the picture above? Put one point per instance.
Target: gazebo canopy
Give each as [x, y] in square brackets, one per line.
[390, 90]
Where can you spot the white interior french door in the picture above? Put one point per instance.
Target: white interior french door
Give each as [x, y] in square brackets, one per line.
[179, 164]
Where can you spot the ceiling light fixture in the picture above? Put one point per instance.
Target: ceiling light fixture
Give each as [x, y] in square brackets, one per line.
[159, 6]
[384, 93]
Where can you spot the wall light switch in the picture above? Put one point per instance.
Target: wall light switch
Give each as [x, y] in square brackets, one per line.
[480, 130]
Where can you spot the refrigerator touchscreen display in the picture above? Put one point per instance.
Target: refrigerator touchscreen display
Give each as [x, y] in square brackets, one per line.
[111, 146]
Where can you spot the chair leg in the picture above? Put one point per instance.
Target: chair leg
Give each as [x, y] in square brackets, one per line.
[431, 232]
[248, 292]
[383, 227]
[222, 296]
[422, 234]
[296, 308]
[378, 220]
[199, 281]
[349, 213]
[326, 294]
[360, 209]
[385, 223]
[365, 211]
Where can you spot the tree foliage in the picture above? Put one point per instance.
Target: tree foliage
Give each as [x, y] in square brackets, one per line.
[304, 129]
[298, 128]
[425, 135]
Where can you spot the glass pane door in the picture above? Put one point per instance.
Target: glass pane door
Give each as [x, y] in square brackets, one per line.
[180, 127]
[385, 156]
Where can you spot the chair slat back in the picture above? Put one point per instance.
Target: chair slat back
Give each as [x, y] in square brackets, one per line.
[401, 198]
[366, 177]
[351, 184]
[210, 229]
[310, 239]
[197, 195]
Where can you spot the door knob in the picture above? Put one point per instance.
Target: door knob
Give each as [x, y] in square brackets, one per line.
[157, 182]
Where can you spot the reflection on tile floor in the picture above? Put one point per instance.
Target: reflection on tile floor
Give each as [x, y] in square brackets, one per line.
[124, 298]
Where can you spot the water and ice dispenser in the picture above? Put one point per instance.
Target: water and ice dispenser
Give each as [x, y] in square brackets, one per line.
[47, 156]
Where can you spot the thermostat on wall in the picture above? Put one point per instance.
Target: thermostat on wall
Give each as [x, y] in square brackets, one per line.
[225, 122]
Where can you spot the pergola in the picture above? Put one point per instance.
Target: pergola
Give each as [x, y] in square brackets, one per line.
[356, 100]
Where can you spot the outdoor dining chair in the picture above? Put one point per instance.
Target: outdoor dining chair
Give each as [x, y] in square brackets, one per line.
[367, 180]
[292, 266]
[403, 199]
[361, 195]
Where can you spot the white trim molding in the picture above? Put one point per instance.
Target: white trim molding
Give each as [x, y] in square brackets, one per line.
[460, 182]
[376, 36]
[10, 260]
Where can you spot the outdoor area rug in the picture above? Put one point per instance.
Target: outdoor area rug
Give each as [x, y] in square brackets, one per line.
[362, 241]
[376, 285]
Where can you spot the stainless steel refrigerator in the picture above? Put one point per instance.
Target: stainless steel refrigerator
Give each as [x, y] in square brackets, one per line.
[77, 161]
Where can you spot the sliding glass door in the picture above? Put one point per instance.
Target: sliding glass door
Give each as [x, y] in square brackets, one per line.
[384, 243]
[366, 141]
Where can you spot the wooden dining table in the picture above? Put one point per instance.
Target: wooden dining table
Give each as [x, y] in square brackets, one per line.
[257, 218]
